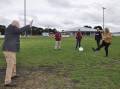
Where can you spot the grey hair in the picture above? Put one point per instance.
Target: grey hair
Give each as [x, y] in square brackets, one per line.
[15, 23]
[107, 30]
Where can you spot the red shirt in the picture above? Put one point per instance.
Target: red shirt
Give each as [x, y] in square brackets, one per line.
[58, 36]
[78, 35]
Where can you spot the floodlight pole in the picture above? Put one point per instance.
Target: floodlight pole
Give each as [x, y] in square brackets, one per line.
[103, 17]
[25, 15]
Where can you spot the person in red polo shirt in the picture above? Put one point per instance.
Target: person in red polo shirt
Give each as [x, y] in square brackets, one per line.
[78, 39]
[58, 40]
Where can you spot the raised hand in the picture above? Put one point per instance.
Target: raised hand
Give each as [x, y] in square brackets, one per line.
[31, 23]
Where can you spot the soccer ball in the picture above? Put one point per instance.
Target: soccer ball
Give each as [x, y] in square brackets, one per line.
[81, 49]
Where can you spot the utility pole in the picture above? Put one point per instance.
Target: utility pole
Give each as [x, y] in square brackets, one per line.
[25, 15]
[103, 17]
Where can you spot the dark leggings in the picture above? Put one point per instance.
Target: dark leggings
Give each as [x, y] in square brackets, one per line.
[98, 43]
[78, 43]
[106, 45]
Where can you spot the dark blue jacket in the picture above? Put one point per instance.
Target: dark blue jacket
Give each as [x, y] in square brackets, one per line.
[12, 38]
[98, 36]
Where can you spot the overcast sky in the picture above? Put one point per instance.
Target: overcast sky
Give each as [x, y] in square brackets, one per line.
[62, 14]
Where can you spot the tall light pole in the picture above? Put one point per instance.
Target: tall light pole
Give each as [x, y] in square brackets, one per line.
[103, 17]
[25, 15]
[25, 12]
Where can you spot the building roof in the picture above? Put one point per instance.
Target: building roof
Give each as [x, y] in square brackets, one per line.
[81, 29]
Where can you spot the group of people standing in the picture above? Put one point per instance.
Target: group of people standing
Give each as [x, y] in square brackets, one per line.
[11, 45]
[103, 38]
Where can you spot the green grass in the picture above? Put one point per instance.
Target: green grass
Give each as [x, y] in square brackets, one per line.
[87, 69]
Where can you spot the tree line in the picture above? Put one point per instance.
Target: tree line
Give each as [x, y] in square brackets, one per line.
[33, 31]
[39, 30]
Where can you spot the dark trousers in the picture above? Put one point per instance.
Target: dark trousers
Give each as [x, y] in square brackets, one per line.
[78, 43]
[106, 45]
[98, 43]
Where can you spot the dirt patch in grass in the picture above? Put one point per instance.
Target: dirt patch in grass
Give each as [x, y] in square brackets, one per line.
[39, 78]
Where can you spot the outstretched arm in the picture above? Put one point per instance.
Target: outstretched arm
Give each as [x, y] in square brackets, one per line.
[27, 27]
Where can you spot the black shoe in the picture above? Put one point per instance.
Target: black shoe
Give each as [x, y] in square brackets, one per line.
[10, 85]
[16, 76]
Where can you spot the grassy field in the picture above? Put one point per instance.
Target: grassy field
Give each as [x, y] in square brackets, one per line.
[88, 70]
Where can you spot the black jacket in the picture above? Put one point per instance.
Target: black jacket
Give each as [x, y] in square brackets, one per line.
[12, 38]
[98, 36]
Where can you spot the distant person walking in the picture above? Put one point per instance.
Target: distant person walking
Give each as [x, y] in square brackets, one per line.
[58, 40]
[98, 36]
[106, 41]
[78, 39]
[11, 45]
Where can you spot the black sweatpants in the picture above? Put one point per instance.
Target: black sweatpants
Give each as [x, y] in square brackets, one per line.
[98, 42]
[106, 45]
[78, 43]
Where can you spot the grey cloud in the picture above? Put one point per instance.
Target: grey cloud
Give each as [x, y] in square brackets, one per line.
[62, 13]
[91, 17]
[5, 3]
[60, 3]
[4, 21]
[66, 4]
[68, 22]
[48, 23]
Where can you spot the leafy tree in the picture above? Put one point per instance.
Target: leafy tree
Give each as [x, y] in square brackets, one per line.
[2, 29]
